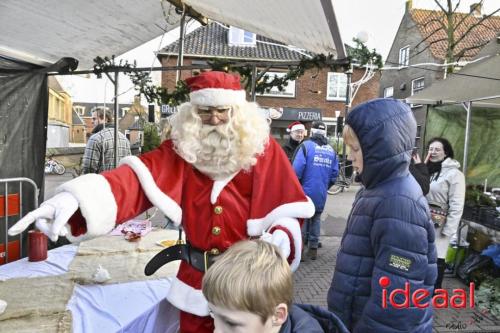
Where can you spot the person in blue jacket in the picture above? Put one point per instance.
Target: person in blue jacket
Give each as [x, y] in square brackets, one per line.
[249, 289]
[316, 166]
[389, 233]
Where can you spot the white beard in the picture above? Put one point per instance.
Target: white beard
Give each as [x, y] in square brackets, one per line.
[222, 150]
[218, 152]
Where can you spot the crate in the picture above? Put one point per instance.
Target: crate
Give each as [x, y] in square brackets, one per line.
[488, 216]
[479, 241]
[471, 213]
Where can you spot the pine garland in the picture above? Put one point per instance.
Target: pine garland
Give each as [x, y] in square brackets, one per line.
[143, 84]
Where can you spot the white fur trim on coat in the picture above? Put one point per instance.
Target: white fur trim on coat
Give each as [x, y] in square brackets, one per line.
[188, 299]
[219, 186]
[97, 204]
[303, 210]
[217, 97]
[293, 226]
[156, 196]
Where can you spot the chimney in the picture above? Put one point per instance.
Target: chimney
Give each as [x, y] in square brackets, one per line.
[409, 6]
[476, 9]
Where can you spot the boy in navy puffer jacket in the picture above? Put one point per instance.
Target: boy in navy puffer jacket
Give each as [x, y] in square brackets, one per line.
[389, 233]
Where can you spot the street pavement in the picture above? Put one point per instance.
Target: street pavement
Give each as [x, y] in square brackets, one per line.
[313, 278]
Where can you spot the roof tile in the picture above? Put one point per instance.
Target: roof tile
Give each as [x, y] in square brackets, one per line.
[428, 22]
[211, 40]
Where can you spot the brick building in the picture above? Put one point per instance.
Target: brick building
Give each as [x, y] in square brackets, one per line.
[315, 95]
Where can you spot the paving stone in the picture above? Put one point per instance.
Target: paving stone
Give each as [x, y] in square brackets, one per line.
[313, 278]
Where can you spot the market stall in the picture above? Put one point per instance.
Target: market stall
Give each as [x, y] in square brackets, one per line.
[64, 294]
[465, 109]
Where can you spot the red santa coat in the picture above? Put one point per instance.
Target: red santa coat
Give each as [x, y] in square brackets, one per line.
[214, 214]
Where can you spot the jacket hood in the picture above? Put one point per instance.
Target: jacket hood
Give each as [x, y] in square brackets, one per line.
[386, 129]
[328, 321]
[319, 139]
[450, 163]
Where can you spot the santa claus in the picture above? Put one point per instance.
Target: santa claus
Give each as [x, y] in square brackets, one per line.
[220, 174]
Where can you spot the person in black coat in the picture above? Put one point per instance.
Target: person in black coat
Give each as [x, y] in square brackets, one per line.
[297, 132]
[420, 172]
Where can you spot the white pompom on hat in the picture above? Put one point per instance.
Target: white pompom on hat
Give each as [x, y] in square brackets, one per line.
[216, 89]
[296, 125]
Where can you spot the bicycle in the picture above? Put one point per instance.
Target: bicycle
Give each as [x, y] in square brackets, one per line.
[53, 166]
[342, 182]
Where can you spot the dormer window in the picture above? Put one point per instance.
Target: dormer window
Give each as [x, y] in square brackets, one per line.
[240, 37]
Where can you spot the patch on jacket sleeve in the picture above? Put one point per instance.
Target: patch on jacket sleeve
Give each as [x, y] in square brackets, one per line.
[399, 262]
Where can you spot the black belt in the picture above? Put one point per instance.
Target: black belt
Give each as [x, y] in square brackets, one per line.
[199, 259]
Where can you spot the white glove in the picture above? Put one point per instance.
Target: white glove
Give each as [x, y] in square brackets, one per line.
[280, 239]
[51, 217]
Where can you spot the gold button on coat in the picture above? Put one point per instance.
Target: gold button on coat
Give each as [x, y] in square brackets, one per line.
[216, 231]
[218, 210]
[215, 251]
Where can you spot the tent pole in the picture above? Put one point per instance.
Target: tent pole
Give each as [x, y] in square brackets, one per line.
[180, 56]
[254, 83]
[467, 106]
[346, 110]
[116, 120]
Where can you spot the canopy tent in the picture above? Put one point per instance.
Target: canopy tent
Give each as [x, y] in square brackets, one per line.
[310, 25]
[478, 82]
[476, 91]
[42, 32]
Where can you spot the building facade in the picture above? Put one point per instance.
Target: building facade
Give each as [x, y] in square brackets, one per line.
[60, 115]
[317, 95]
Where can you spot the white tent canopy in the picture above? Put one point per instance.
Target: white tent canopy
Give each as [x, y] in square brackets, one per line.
[42, 32]
[307, 24]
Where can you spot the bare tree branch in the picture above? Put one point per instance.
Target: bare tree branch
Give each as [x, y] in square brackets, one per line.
[456, 7]
[440, 6]
[474, 26]
[462, 52]
[462, 20]
[428, 46]
[431, 34]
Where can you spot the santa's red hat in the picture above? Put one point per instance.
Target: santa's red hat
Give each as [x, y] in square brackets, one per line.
[216, 89]
[296, 125]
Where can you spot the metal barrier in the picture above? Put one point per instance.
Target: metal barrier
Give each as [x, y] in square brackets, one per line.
[11, 205]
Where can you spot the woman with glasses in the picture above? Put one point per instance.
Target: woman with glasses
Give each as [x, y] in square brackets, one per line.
[446, 197]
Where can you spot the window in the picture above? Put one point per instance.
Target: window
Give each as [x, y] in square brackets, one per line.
[418, 137]
[240, 37]
[336, 87]
[124, 111]
[404, 56]
[288, 91]
[80, 110]
[416, 86]
[388, 92]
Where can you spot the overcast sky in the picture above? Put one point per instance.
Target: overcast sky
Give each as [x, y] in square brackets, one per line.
[379, 19]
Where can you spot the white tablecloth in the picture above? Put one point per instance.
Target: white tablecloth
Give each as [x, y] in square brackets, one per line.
[126, 307]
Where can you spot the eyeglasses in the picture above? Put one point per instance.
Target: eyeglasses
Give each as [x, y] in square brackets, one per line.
[221, 112]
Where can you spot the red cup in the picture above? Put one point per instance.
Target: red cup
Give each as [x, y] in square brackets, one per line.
[37, 245]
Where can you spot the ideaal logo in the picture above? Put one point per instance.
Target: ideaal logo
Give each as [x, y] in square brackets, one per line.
[441, 298]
